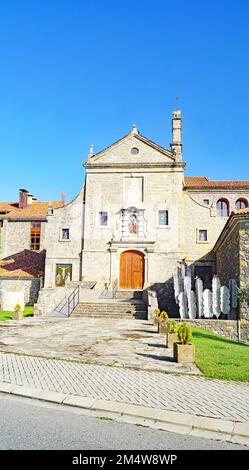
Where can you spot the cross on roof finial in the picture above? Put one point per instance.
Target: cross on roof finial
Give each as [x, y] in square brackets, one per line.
[177, 103]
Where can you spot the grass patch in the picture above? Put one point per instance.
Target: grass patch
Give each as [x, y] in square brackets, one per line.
[5, 315]
[220, 358]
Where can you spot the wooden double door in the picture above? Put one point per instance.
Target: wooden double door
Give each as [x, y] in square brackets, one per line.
[131, 274]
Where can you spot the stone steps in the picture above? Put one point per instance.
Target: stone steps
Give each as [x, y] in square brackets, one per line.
[111, 310]
[129, 294]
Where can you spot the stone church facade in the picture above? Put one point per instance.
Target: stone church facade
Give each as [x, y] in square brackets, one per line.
[136, 217]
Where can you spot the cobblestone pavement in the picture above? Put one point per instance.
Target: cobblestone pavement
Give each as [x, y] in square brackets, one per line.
[182, 393]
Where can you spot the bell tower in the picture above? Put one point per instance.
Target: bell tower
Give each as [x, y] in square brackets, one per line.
[176, 145]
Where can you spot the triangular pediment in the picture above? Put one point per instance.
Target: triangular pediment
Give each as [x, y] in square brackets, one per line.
[122, 152]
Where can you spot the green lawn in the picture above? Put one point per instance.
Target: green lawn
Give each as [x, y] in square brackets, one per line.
[5, 315]
[220, 358]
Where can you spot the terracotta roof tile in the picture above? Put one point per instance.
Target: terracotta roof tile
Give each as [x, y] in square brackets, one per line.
[241, 211]
[24, 264]
[8, 206]
[35, 210]
[204, 182]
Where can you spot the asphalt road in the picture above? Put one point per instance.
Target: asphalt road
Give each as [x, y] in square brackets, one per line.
[30, 424]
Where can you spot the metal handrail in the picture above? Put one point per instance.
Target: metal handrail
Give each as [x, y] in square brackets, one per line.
[73, 299]
[60, 307]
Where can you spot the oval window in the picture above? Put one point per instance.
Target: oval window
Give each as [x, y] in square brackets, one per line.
[134, 151]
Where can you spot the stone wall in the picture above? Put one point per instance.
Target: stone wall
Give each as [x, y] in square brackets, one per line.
[31, 288]
[244, 263]
[59, 251]
[232, 257]
[16, 237]
[244, 252]
[226, 328]
[228, 257]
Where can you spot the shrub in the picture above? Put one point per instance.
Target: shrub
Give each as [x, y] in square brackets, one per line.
[157, 312]
[17, 307]
[184, 333]
[173, 327]
[164, 316]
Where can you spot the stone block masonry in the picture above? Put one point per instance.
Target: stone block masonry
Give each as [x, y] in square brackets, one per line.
[230, 329]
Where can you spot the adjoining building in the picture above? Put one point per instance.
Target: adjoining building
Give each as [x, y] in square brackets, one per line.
[232, 252]
[24, 270]
[22, 224]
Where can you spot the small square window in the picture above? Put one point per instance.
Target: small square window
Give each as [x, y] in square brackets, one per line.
[202, 235]
[103, 218]
[163, 217]
[65, 234]
[206, 202]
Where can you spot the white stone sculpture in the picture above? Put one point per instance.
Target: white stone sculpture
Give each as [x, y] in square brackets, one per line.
[178, 283]
[183, 305]
[216, 296]
[225, 300]
[152, 304]
[199, 296]
[192, 309]
[187, 285]
[207, 303]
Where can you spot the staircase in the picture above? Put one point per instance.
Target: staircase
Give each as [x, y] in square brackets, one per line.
[115, 308]
[128, 294]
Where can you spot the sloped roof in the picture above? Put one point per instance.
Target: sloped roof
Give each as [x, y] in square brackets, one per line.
[36, 210]
[241, 211]
[26, 264]
[8, 206]
[203, 182]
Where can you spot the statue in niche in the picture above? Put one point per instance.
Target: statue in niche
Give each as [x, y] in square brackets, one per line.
[133, 223]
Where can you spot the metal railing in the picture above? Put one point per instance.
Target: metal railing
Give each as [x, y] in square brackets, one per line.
[66, 306]
[73, 300]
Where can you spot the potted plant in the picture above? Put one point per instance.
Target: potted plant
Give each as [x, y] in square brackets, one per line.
[172, 334]
[156, 317]
[17, 314]
[163, 322]
[184, 350]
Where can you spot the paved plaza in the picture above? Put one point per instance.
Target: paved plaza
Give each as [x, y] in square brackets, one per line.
[120, 343]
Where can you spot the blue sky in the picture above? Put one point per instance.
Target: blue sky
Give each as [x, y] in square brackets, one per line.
[79, 72]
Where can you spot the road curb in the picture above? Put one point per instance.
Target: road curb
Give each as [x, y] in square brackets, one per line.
[183, 423]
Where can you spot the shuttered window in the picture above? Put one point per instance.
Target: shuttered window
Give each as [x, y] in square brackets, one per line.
[35, 236]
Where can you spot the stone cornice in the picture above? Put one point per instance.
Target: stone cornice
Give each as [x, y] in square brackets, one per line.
[205, 189]
[26, 219]
[128, 166]
[148, 245]
[132, 241]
